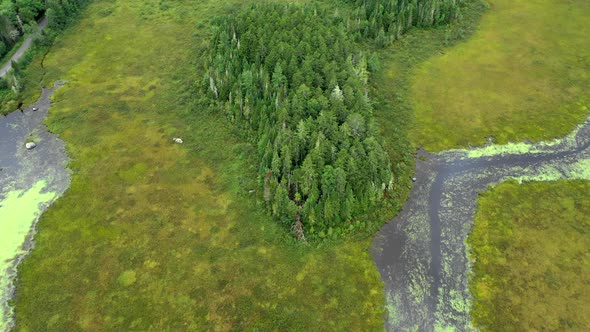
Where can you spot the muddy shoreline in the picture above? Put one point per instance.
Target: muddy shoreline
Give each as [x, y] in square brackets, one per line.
[421, 254]
[30, 181]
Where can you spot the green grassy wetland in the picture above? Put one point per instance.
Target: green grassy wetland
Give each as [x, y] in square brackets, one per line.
[162, 236]
[525, 74]
[531, 245]
[155, 235]
[296, 119]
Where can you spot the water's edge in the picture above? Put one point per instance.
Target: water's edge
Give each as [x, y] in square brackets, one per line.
[30, 181]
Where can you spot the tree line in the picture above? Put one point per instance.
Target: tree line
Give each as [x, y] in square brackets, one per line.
[60, 13]
[290, 77]
[386, 20]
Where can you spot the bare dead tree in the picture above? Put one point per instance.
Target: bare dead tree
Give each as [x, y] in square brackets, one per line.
[297, 228]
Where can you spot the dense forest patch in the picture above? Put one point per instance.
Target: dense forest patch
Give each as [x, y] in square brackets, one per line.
[289, 76]
[386, 20]
[529, 243]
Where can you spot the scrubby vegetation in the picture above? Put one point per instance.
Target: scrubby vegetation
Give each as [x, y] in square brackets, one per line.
[529, 243]
[412, 83]
[391, 85]
[62, 12]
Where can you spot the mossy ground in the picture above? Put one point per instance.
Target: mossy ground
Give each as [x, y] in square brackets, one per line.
[530, 243]
[523, 75]
[162, 236]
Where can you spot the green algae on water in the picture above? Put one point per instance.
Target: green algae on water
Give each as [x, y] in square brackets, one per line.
[18, 211]
[519, 148]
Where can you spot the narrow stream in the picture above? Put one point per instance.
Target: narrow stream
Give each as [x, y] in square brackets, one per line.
[422, 254]
[30, 181]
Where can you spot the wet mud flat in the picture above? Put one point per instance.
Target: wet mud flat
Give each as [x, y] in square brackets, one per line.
[30, 181]
[422, 254]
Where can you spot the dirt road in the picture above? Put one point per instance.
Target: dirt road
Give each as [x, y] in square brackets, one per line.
[22, 49]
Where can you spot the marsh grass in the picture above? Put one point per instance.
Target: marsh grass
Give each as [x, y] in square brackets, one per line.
[153, 235]
[393, 84]
[529, 243]
[523, 75]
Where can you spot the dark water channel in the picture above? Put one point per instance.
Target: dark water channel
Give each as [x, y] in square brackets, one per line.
[30, 180]
[422, 255]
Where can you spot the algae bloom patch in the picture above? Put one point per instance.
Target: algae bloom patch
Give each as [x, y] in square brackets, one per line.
[18, 211]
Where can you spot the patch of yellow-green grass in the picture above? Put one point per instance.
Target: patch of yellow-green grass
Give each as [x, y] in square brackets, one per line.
[392, 86]
[153, 235]
[531, 246]
[525, 74]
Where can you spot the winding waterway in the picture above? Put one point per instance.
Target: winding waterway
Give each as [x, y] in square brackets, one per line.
[30, 181]
[422, 255]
